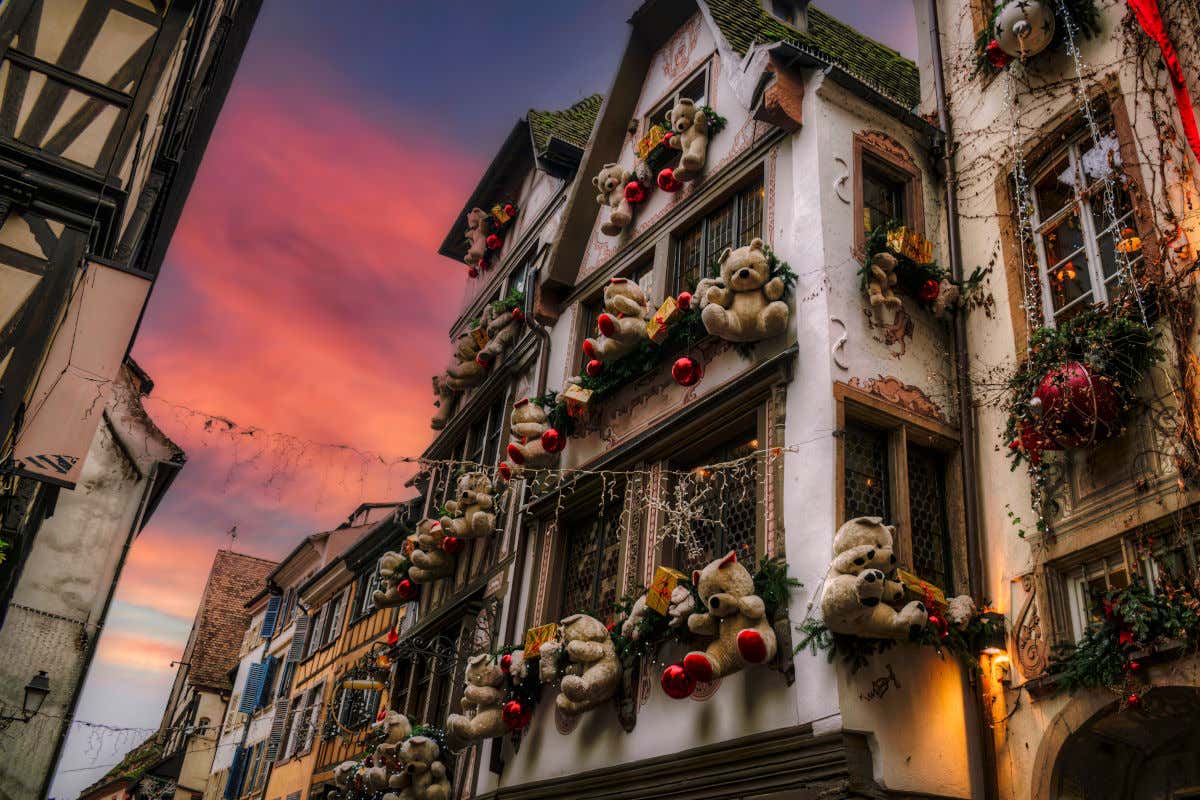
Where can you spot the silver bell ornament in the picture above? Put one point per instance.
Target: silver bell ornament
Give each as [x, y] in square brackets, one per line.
[1024, 28]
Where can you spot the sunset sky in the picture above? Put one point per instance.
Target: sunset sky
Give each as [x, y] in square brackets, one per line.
[303, 296]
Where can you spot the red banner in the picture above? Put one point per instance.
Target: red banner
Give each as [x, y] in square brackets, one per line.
[1150, 18]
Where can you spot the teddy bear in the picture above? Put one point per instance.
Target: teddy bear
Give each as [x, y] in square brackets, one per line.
[679, 608]
[482, 702]
[593, 672]
[690, 128]
[464, 371]
[393, 568]
[746, 305]
[949, 298]
[476, 235]
[526, 424]
[881, 281]
[860, 598]
[735, 617]
[444, 403]
[622, 326]
[611, 183]
[429, 561]
[424, 775]
[960, 611]
[471, 512]
[391, 731]
[503, 328]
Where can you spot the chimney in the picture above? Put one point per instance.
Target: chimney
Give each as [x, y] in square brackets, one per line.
[801, 15]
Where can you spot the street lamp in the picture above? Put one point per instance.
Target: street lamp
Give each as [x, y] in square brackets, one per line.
[35, 694]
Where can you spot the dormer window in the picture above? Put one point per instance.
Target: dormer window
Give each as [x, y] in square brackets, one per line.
[694, 89]
[792, 12]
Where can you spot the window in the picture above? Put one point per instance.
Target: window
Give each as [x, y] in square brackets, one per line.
[483, 439]
[695, 89]
[883, 192]
[314, 628]
[437, 679]
[900, 472]
[312, 715]
[364, 602]
[357, 708]
[726, 504]
[333, 619]
[1074, 235]
[733, 224]
[1087, 584]
[591, 556]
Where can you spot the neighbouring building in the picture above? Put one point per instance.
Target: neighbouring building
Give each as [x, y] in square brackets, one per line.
[57, 610]
[126, 779]
[200, 694]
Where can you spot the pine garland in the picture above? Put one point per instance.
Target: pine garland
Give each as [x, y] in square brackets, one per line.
[856, 651]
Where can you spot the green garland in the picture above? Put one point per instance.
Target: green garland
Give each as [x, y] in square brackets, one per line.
[773, 584]
[510, 302]
[1133, 620]
[1084, 14]
[1105, 339]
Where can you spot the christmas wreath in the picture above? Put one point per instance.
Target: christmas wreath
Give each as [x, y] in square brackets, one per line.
[1078, 384]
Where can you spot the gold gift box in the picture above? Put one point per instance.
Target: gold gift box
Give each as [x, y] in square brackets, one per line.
[536, 637]
[577, 399]
[667, 313]
[910, 244]
[658, 597]
[480, 335]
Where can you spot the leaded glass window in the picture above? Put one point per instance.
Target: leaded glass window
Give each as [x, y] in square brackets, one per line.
[591, 560]
[868, 484]
[927, 515]
[735, 223]
[724, 509]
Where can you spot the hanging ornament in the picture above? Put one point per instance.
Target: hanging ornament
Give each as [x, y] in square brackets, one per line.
[1024, 28]
[505, 470]
[406, 589]
[453, 545]
[494, 242]
[668, 182]
[677, 683]
[473, 272]
[510, 210]
[393, 635]
[929, 291]
[686, 371]
[1130, 242]
[1133, 700]
[1076, 406]
[515, 715]
[996, 56]
[684, 301]
[506, 662]
[634, 193]
[552, 441]
[594, 367]
[518, 314]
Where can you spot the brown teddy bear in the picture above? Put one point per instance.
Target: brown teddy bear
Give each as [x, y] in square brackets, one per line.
[622, 326]
[429, 561]
[476, 235]
[593, 673]
[746, 304]
[391, 731]
[526, 424]
[611, 183]
[503, 327]
[482, 703]
[690, 127]
[881, 281]
[860, 597]
[444, 403]
[471, 512]
[393, 568]
[424, 774]
[735, 616]
[464, 372]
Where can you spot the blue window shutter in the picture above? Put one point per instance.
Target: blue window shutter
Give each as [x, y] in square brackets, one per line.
[237, 770]
[263, 695]
[271, 616]
[250, 692]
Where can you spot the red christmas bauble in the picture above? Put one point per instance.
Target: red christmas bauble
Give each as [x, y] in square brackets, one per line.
[406, 589]
[482, 361]
[473, 272]
[368, 762]
[667, 181]
[518, 314]
[686, 371]
[552, 441]
[677, 683]
[1134, 700]
[506, 662]
[929, 292]
[515, 715]
[453, 545]
[509, 209]
[1078, 406]
[494, 242]
[634, 193]
[505, 470]
[594, 367]
[393, 636]
[684, 300]
[667, 137]
[995, 56]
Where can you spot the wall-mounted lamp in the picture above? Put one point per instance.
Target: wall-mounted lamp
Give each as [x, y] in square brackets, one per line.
[35, 694]
[994, 639]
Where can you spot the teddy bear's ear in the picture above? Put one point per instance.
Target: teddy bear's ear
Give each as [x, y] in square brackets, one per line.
[724, 255]
[729, 559]
[478, 658]
[570, 619]
[596, 181]
[756, 244]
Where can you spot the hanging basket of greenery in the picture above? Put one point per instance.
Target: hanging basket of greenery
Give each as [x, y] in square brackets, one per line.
[1078, 385]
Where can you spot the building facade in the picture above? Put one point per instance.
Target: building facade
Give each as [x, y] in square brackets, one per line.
[59, 605]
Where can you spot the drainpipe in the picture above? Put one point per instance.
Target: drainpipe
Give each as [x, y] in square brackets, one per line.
[975, 563]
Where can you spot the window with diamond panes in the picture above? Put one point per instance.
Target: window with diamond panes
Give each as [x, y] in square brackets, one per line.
[866, 472]
[724, 505]
[735, 223]
[927, 515]
[591, 560]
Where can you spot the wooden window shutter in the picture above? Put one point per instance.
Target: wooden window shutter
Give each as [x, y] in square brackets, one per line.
[250, 692]
[263, 695]
[237, 770]
[275, 738]
[299, 637]
[271, 616]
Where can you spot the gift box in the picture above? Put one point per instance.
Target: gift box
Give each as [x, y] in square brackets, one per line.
[480, 335]
[918, 589]
[577, 399]
[668, 312]
[910, 244]
[658, 597]
[536, 637]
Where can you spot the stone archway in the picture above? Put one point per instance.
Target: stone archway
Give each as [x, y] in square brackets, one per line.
[1148, 753]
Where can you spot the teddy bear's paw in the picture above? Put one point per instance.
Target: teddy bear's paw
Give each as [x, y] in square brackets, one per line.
[698, 667]
[870, 586]
[589, 348]
[914, 615]
[752, 646]
[606, 324]
[612, 227]
[690, 162]
[892, 301]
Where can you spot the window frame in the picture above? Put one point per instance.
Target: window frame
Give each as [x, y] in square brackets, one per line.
[702, 220]
[890, 156]
[856, 406]
[668, 100]
[563, 532]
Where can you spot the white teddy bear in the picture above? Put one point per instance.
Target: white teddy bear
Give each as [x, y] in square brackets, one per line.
[623, 324]
[471, 512]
